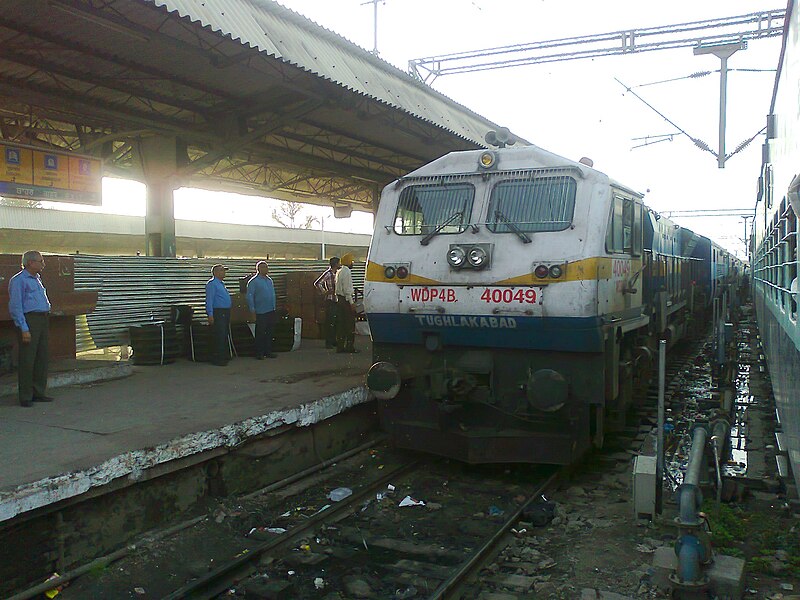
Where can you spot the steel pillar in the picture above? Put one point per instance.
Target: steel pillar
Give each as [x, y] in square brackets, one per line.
[160, 162]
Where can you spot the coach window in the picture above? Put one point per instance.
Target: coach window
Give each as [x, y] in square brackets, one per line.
[444, 207]
[791, 260]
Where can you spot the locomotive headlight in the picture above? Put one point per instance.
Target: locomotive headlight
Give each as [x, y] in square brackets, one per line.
[383, 380]
[541, 271]
[477, 257]
[389, 272]
[402, 272]
[487, 159]
[456, 256]
[556, 271]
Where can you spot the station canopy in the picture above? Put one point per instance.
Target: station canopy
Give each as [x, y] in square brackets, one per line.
[255, 97]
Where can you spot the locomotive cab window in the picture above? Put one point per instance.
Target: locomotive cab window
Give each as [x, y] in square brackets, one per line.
[624, 234]
[531, 205]
[443, 208]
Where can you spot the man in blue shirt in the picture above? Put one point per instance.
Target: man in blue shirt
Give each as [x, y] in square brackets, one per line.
[218, 310]
[29, 308]
[261, 300]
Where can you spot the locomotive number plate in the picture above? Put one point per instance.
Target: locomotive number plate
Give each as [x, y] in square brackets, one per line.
[477, 295]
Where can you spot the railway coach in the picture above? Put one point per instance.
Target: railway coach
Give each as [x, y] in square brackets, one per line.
[515, 298]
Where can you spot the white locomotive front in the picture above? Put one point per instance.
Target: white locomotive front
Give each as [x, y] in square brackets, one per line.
[499, 289]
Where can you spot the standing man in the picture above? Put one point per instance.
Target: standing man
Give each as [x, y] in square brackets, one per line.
[346, 315]
[261, 300]
[326, 285]
[29, 308]
[218, 310]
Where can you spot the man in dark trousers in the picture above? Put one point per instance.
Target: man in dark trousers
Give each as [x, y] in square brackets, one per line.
[29, 308]
[218, 310]
[326, 286]
[261, 300]
[345, 301]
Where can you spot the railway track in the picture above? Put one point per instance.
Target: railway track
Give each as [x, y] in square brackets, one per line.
[370, 545]
[410, 529]
[293, 542]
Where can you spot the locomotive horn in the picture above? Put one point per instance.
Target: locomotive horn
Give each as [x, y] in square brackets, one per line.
[500, 138]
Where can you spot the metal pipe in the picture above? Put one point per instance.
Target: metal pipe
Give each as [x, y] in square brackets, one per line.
[689, 560]
[690, 496]
[719, 437]
[717, 469]
[699, 437]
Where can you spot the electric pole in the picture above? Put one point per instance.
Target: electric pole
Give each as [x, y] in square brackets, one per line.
[723, 52]
[374, 23]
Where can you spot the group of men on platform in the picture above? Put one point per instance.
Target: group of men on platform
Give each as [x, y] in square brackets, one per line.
[261, 302]
[335, 284]
[29, 308]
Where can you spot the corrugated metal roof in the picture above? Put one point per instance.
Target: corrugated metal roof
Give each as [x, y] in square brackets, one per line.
[280, 32]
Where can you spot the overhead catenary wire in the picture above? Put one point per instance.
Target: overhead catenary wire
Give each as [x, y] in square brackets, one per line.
[697, 142]
[699, 74]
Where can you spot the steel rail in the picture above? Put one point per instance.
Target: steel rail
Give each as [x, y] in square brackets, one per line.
[451, 586]
[219, 580]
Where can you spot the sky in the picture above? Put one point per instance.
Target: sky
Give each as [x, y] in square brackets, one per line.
[573, 108]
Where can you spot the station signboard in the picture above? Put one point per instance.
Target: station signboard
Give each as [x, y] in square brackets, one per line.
[43, 174]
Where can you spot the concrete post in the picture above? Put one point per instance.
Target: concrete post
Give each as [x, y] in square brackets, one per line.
[159, 223]
[159, 158]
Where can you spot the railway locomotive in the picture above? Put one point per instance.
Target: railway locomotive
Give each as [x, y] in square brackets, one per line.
[515, 299]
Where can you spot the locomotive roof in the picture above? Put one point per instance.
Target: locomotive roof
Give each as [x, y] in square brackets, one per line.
[515, 159]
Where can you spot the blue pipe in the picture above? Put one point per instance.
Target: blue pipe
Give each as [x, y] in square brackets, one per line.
[690, 556]
[690, 550]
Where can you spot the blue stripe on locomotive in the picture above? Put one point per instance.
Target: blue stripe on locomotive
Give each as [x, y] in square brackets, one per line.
[570, 334]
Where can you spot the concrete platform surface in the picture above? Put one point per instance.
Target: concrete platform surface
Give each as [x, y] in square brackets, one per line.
[72, 372]
[93, 434]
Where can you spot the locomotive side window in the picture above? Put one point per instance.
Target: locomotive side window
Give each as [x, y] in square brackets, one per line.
[625, 229]
[531, 205]
[444, 208]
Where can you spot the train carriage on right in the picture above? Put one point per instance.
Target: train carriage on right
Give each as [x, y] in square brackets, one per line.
[773, 246]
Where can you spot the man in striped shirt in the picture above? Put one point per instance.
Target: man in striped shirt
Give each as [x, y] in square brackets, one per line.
[345, 301]
[326, 285]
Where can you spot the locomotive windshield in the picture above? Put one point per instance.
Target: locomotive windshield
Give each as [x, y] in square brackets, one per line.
[441, 208]
[541, 204]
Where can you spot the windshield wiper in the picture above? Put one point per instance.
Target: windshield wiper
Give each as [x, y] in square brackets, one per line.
[424, 241]
[512, 226]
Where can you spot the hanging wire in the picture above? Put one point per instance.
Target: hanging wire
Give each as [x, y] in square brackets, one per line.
[697, 142]
[695, 75]
[746, 143]
[649, 140]
[699, 74]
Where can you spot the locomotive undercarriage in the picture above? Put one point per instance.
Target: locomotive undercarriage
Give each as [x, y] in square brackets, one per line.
[497, 405]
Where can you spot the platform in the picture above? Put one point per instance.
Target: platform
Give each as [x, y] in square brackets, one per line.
[71, 372]
[93, 434]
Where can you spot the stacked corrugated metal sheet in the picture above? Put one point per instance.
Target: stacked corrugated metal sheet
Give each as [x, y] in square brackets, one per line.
[135, 290]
